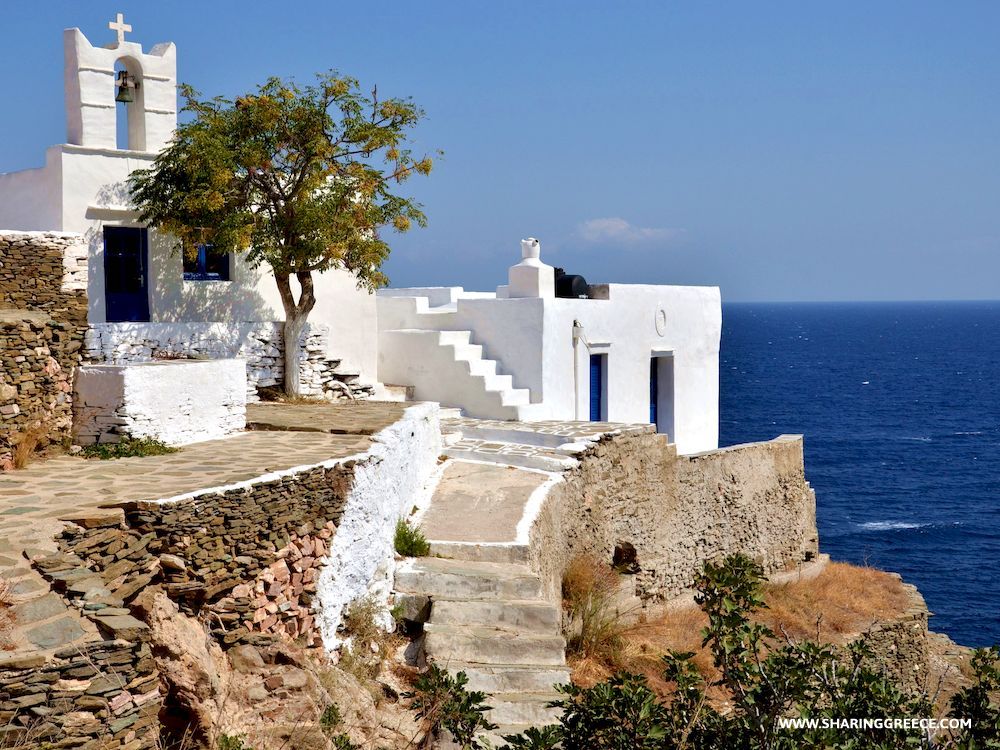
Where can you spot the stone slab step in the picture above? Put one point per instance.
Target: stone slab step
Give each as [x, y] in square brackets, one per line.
[494, 739]
[495, 553]
[466, 579]
[477, 645]
[530, 709]
[512, 454]
[521, 616]
[511, 678]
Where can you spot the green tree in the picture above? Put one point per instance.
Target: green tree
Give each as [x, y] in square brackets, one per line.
[302, 179]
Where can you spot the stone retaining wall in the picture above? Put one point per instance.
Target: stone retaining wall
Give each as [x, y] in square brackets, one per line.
[302, 543]
[100, 695]
[43, 311]
[44, 272]
[900, 646]
[634, 493]
[261, 344]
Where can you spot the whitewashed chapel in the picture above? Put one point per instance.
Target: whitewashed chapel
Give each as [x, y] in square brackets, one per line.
[544, 346]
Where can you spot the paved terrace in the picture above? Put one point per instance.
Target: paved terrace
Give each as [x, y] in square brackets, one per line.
[34, 500]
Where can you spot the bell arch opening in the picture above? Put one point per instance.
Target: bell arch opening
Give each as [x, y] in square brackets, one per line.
[130, 110]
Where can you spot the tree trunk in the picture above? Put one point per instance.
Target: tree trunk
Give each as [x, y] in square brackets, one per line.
[296, 317]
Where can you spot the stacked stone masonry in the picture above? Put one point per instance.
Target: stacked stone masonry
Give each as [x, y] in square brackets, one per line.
[678, 511]
[261, 344]
[212, 553]
[43, 312]
[44, 272]
[101, 695]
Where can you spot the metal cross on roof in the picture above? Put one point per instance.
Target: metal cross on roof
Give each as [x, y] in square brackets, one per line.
[120, 26]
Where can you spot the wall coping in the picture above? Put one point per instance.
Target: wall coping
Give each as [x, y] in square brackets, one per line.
[788, 438]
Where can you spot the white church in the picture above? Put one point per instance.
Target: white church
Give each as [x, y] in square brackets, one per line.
[543, 346]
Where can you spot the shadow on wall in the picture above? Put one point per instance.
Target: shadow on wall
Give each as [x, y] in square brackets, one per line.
[171, 298]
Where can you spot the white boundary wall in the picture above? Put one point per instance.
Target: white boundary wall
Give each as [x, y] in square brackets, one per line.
[396, 475]
[177, 402]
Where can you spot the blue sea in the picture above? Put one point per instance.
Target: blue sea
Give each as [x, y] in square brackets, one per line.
[900, 407]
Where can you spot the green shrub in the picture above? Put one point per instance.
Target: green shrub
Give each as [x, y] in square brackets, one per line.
[127, 448]
[766, 678]
[443, 702]
[229, 742]
[410, 540]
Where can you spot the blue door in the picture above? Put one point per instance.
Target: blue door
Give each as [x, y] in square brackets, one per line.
[126, 274]
[596, 387]
[654, 388]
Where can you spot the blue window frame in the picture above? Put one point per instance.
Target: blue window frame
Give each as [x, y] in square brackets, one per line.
[206, 264]
[597, 387]
[654, 387]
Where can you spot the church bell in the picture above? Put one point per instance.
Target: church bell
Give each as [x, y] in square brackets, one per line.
[126, 84]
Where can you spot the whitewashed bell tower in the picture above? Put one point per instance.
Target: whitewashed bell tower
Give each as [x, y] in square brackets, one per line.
[92, 84]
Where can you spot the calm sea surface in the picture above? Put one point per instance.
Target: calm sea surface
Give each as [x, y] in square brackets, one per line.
[900, 407]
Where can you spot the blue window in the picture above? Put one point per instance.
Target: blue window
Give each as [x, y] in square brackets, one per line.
[206, 264]
[597, 369]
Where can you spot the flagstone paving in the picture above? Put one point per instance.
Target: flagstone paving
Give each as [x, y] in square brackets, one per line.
[34, 500]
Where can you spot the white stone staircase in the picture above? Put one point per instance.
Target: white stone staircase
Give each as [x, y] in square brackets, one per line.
[492, 621]
[445, 366]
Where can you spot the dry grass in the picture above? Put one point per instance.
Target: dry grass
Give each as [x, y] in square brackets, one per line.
[6, 616]
[371, 645]
[594, 624]
[841, 602]
[27, 442]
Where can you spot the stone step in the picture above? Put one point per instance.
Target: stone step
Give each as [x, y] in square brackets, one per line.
[493, 739]
[512, 454]
[495, 553]
[518, 616]
[478, 645]
[466, 579]
[511, 678]
[530, 709]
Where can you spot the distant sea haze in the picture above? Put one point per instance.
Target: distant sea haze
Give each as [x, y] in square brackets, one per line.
[900, 407]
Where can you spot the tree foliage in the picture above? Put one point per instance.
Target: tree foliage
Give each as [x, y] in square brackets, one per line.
[302, 178]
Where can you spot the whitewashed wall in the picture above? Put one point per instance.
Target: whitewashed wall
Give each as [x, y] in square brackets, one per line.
[532, 340]
[177, 402]
[396, 475]
[82, 188]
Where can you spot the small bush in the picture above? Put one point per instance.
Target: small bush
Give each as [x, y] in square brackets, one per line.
[594, 628]
[444, 703]
[370, 644]
[410, 540]
[128, 448]
[228, 742]
[330, 722]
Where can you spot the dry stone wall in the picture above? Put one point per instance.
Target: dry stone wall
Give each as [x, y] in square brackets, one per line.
[261, 344]
[44, 272]
[633, 493]
[900, 648]
[43, 312]
[99, 695]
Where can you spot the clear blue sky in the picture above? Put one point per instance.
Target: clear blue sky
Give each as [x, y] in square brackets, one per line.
[783, 150]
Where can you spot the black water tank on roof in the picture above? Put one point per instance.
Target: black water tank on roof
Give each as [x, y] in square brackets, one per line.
[571, 285]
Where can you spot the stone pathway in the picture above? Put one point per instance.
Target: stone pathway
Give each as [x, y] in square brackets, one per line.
[489, 614]
[34, 501]
[345, 417]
